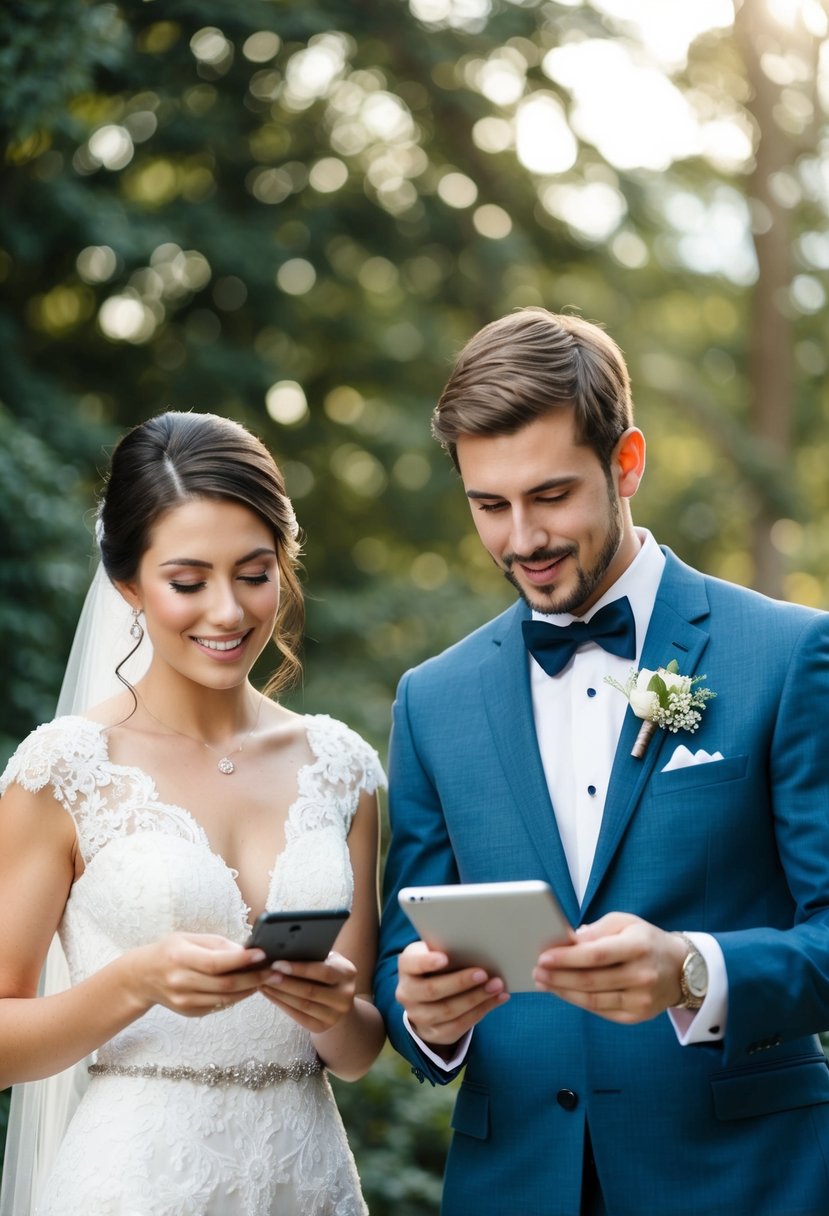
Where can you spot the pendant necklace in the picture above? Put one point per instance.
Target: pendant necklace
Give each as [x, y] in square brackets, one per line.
[225, 764]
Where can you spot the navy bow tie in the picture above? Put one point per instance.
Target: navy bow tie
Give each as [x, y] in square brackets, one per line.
[612, 627]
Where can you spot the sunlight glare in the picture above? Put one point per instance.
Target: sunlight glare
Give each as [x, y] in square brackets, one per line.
[544, 142]
[594, 210]
[458, 14]
[501, 80]
[286, 402]
[492, 221]
[727, 144]
[492, 134]
[714, 234]
[111, 146]
[125, 318]
[261, 46]
[296, 276]
[629, 250]
[457, 190]
[808, 294]
[311, 72]
[633, 114]
[668, 27]
[790, 12]
[209, 45]
[328, 174]
[96, 263]
[387, 118]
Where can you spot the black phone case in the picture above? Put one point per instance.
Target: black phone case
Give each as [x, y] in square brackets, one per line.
[304, 936]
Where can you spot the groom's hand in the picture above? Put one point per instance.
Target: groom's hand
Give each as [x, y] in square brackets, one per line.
[621, 967]
[443, 1005]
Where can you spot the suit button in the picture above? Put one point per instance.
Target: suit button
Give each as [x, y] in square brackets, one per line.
[567, 1099]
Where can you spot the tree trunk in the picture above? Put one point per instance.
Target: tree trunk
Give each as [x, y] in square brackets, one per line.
[770, 365]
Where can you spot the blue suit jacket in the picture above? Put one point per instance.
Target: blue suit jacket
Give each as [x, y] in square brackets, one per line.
[738, 848]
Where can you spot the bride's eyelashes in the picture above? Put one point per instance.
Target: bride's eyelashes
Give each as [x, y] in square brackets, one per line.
[186, 588]
[253, 580]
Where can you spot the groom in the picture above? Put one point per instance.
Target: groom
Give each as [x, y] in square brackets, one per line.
[667, 1065]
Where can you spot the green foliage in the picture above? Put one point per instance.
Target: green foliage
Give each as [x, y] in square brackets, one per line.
[657, 684]
[48, 54]
[43, 570]
[398, 1130]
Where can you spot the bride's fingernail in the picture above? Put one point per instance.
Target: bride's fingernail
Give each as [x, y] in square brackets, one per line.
[257, 956]
[274, 977]
[282, 966]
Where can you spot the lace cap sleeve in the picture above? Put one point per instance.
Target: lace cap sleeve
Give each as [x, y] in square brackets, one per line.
[374, 776]
[63, 753]
[345, 755]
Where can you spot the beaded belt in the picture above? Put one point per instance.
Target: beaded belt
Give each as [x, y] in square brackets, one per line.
[252, 1074]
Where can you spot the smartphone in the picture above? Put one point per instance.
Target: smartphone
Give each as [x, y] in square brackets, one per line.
[305, 936]
[500, 926]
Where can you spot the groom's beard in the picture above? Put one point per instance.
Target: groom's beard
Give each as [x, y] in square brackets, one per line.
[587, 579]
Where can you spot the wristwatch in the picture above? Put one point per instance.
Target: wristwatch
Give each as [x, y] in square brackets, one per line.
[693, 978]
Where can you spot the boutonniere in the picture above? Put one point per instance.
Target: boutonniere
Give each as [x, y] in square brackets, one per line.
[663, 698]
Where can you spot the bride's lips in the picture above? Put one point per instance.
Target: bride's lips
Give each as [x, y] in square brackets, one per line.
[541, 574]
[222, 650]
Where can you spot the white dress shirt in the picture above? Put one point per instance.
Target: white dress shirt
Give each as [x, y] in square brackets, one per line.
[578, 721]
[578, 717]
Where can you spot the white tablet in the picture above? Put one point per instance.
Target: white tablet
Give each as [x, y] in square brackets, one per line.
[500, 926]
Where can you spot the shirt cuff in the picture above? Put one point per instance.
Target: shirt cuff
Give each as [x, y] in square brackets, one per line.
[447, 1065]
[706, 1024]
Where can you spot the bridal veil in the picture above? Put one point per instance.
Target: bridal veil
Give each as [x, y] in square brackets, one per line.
[41, 1110]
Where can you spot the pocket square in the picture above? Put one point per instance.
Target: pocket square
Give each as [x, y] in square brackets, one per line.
[684, 758]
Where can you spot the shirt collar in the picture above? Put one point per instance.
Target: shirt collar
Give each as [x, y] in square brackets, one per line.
[639, 582]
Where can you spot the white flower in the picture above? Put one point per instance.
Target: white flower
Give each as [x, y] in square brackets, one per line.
[672, 680]
[665, 699]
[643, 703]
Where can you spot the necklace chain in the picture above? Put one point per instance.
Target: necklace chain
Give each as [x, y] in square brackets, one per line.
[225, 764]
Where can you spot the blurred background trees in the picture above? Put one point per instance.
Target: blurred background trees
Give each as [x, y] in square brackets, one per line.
[294, 214]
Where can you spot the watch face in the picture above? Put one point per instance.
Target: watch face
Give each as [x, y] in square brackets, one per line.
[696, 974]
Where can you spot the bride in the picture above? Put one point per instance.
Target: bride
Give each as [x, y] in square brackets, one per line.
[150, 830]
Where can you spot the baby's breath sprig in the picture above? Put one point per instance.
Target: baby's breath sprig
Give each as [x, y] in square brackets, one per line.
[664, 699]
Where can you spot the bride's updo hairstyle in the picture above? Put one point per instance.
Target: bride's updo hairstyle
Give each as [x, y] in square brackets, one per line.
[177, 456]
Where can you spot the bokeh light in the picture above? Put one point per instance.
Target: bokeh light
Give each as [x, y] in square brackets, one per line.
[286, 403]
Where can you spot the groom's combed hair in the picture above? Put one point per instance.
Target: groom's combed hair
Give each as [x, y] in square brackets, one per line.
[176, 457]
[526, 364]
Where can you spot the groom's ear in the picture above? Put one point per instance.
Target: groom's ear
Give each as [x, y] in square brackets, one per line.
[628, 460]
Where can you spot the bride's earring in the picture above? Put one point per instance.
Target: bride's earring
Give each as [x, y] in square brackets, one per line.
[136, 629]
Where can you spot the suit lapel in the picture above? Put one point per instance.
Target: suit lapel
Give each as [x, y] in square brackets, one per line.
[672, 634]
[507, 700]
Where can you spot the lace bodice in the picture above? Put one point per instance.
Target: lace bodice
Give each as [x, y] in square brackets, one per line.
[149, 870]
[107, 800]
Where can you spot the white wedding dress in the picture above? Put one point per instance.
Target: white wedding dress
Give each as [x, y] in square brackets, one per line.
[189, 1140]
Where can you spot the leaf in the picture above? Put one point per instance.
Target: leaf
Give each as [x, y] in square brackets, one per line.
[673, 667]
[658, 685]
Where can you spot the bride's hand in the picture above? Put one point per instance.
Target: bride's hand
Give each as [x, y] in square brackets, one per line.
[317, 995]
[193, 974]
